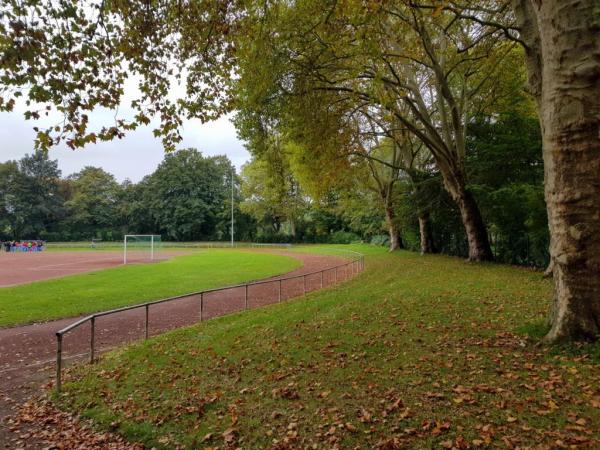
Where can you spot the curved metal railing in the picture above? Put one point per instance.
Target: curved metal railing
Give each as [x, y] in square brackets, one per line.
[356, 265]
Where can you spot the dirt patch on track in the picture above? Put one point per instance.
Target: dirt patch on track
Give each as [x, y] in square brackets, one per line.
[27, 353]
[21, 268]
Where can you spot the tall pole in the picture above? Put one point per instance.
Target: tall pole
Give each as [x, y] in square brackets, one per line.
[152, 248]
[232, 208]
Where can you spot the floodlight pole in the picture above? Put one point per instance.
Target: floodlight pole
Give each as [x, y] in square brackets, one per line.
[232, 208]
[152, 248]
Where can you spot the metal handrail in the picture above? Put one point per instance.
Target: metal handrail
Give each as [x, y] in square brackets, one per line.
[92, 317]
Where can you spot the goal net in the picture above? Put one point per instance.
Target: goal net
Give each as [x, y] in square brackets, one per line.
[140, 247]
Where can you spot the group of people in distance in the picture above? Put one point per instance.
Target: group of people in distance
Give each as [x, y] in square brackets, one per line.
[34, 245]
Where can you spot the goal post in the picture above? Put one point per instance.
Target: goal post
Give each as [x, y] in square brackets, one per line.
[140, 247]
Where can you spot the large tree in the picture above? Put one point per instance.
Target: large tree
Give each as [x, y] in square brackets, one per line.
[563, 61]
[94, 205]
[272, 194]
[9, 172]
[385, 174]
[187, 195]
[31, 201]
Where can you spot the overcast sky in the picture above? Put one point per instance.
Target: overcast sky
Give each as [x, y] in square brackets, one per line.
[133, 157]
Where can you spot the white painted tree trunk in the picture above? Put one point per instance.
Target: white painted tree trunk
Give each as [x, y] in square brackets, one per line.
[563, 61]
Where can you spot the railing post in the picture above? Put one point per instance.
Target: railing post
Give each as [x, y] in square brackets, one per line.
[321, 279]
[246, 296]
[147, 323]
[279, 296]
[201, 306]
[92, 338]
[58, 362]
[335, 277]
[304, 285]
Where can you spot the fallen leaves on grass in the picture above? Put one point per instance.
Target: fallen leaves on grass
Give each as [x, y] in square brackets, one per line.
[451, 374]
[39, 420]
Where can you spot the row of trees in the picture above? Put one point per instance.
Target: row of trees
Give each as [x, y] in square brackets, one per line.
[369, 198]
[332, 80]
[186, 198]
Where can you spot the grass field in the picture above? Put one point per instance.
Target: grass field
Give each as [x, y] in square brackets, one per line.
[126, 285]
[418, 352]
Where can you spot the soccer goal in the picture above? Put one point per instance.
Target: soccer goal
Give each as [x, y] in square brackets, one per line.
[140, 247]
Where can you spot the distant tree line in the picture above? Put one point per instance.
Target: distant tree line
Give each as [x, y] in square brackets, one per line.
[186, 198]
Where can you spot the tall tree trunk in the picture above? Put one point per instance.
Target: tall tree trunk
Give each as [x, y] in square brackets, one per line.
[477, 237]
[475, 229]
[563, 53]
[425, 233]
[393, 229]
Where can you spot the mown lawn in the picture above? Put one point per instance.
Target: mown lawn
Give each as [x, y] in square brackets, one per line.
[418, 352]
[127, 285]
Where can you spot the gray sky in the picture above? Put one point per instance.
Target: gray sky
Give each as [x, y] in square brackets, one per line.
[133, 157]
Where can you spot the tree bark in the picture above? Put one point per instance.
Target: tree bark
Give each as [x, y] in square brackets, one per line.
[563, 60]
[475, 229]
[425, 233]
[477, 237]
[393, 229]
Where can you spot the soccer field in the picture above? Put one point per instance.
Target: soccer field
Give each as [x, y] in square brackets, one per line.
[125, 285]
